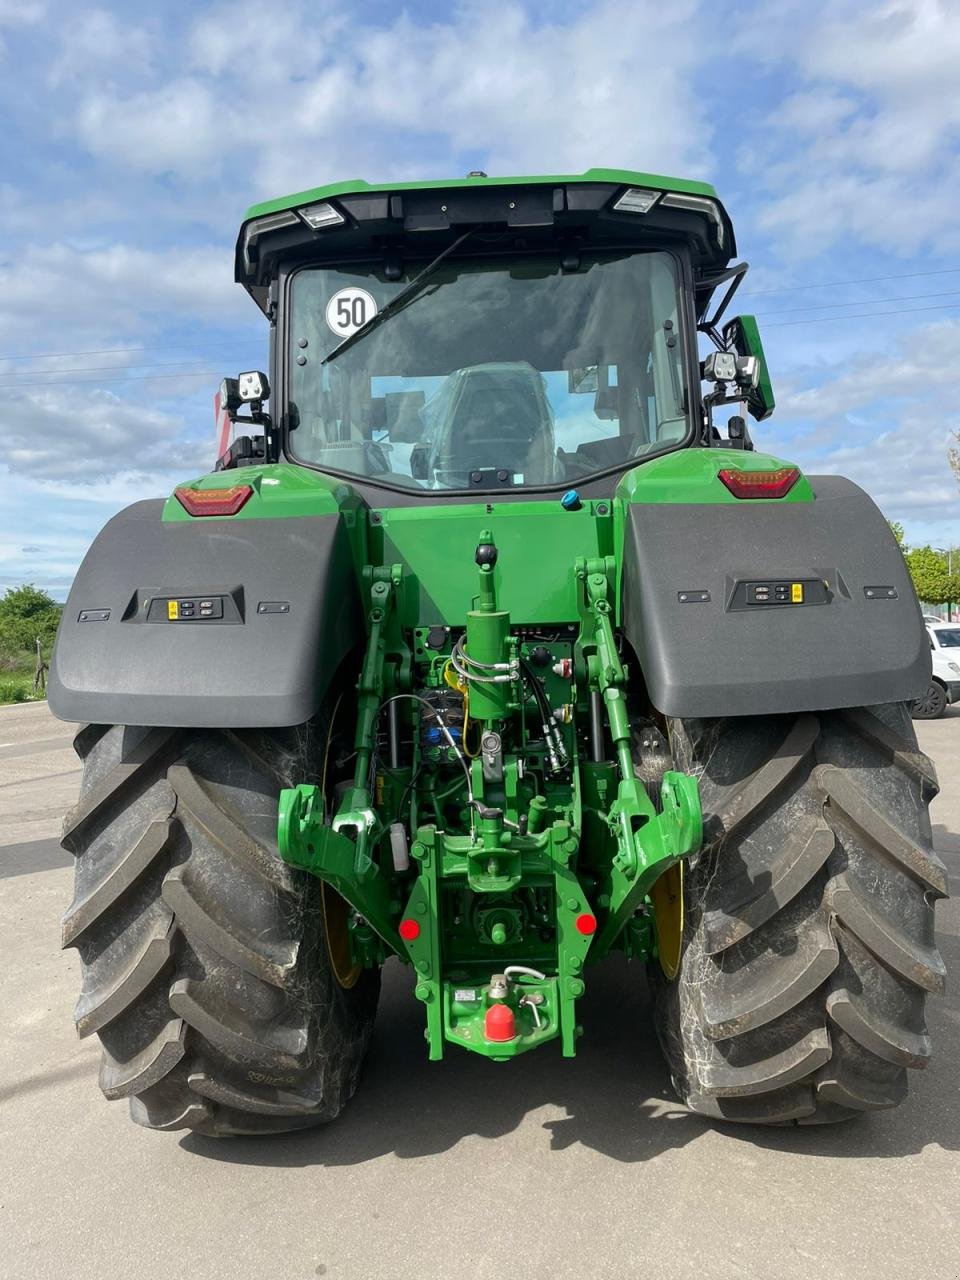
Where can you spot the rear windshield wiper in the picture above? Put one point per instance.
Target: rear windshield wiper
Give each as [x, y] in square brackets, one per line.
[398, 301]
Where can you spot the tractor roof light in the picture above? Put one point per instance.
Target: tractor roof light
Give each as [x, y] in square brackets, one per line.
[318, 216]
[259, 227]
[698, 204]
[637, 200]
[759, 484]
[213, 502]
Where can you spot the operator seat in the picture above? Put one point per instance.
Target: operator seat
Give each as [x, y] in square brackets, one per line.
[498, 417]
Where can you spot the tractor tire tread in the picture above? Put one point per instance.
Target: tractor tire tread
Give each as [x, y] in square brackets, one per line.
[204, 966]
[809, 943]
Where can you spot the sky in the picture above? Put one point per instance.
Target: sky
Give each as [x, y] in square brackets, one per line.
[132, 140]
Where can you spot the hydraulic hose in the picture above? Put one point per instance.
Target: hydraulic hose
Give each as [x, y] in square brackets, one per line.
[558, 752]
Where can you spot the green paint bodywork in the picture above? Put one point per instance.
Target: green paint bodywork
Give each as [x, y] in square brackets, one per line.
[282, 489]
[497, 869]
[279, 489]
[624, 177]
[747, 341]
[501, 881]
[517, 874]
[690, 476]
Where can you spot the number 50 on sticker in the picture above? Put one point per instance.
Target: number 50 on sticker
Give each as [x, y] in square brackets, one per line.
[350, 309]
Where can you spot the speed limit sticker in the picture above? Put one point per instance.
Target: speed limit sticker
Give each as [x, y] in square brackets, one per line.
[348, 309]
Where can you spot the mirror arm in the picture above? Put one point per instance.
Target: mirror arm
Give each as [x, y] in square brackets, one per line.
[735, 275]
[258, 417]
[721, 395]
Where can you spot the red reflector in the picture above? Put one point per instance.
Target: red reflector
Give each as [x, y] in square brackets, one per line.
[499, 1023]
[759, 484]
[409, 930]
[213, 502]
[586, 924]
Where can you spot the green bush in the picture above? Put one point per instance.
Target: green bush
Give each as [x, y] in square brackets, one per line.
[16, 691]
[25, 613]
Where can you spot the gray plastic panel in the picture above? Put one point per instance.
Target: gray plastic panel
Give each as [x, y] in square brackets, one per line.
[704, 658]
[270, 670]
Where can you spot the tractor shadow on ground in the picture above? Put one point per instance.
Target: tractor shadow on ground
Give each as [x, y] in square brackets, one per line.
[414, 1108]
[616, 1092]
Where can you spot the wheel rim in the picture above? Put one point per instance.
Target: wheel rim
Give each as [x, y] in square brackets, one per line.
[930, 703]
[667, 898]
[336, 913]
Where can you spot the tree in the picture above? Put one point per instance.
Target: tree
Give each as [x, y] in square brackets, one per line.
[25, 613]
[896, 528]
[933, 583]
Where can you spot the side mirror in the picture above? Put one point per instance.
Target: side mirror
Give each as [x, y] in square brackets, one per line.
[402, 416]
[583, 381]
[742, 336]
[419, 462]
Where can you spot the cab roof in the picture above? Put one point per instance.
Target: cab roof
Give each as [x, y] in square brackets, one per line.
[600, 207]
[354, 186]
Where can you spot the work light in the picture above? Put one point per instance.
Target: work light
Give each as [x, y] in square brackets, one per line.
[253, 387]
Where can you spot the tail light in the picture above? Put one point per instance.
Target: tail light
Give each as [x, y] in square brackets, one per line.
[760, 484]
[213, 502]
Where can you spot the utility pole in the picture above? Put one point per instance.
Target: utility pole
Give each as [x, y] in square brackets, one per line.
[948, 552]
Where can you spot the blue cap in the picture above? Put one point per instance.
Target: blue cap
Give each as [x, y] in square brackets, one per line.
[571, 500]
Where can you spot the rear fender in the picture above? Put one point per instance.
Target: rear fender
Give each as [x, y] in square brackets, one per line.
[706, 652]
[287, 592]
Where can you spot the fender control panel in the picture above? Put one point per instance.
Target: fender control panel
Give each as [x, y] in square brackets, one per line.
[208, 608]
[180, 610]
[779, 593]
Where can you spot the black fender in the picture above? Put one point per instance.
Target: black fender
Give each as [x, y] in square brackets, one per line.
[275, 612]
[857, 639]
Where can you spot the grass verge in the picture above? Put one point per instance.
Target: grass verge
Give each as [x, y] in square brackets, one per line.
[16, 677]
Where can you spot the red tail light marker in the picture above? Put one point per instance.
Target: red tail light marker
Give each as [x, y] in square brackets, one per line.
[213, 502]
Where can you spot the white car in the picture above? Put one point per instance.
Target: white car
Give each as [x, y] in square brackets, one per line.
[945, 685]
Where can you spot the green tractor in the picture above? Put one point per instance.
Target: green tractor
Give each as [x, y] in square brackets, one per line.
[492, 646]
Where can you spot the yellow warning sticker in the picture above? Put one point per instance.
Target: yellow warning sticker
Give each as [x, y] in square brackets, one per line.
[173, 610]
[796, 593]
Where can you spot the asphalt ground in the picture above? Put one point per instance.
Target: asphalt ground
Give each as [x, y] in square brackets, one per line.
[467, 1169]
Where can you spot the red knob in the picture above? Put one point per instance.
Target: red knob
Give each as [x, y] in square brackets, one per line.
[499, 1023]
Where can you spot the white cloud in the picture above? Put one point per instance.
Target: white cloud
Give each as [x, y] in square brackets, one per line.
[362, 97]
[157, 126]
[21, 13]
[93, 443]
[920, 368]
[867, 147]
[233, 38]
[18, 13]
[70, 463]
[97, 42]
[884, 420]
[67, 298]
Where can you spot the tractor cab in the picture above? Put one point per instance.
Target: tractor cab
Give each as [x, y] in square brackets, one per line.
[483, 334]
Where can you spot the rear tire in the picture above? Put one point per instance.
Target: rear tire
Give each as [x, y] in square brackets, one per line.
[808, 945]
[932, 705]
[205, 967]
